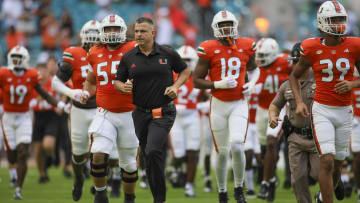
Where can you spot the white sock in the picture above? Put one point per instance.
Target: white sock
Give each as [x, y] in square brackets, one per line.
[13, 173]
[320, 197]
[100, 188]
[221, 169]
[250, 179]
[238, 163]
[358, 191]
[272, 180]
[345, 177]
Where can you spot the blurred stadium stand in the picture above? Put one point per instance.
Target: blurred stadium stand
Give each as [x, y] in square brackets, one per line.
[287, 21]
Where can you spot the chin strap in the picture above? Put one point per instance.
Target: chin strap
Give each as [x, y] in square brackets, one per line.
[233, 46]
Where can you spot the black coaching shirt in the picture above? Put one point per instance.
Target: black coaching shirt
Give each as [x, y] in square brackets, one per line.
[152, 74]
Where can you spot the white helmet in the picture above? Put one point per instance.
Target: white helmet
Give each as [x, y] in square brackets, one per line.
[90, 32]
[328, 10]
[113, 20]
[224, 16]
[267, 50]
[187, 52]
[22, 62]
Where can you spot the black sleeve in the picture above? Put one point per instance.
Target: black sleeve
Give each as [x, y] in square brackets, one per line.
[122, 73]
[64, 71]
[177, 64]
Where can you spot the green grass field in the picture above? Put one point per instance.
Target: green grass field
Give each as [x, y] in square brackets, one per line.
[58, 190]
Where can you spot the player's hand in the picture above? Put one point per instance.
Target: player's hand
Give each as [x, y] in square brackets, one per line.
[128, 86]
[274, 121]
[344, 86]
[84, 97]
[248, 88]
[171, 91]
[302, 110]
[226, 83]
[76, 94]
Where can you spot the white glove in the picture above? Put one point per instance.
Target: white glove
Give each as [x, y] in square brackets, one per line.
[75, 94]
[248, 88]
[33, 103]
[203, 107]
[61, 105]
[226, 83]
[253, 78]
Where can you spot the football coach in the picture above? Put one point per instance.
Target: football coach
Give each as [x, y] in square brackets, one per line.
[147, 72]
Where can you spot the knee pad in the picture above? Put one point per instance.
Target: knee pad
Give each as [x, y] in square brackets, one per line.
[103, 167]
[126, 179]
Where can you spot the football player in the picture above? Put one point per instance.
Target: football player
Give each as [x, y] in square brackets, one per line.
[75, 67]
[17, 83]
[113, 121]
[226, 60]
[185, 133]
[332, 58]
[46, 125]
[252, 145]
[274, 69]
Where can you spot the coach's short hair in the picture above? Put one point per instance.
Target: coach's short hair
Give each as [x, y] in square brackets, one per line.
[145, 20]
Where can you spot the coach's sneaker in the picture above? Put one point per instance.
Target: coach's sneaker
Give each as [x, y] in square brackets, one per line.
[272, 188]
[340, 190]
[317, 198]
[101, 197]
[223, 197]
[239, 195]
[17, 194]
[264, 190]
[92, 190]
[189, 190]
[358, 194]
[77, 188]
[250, 194]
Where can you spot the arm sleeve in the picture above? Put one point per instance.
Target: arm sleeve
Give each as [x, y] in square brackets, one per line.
[279, 100]
[177, 64]
[122, 73]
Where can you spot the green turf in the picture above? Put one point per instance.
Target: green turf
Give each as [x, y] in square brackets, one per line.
[58, 190]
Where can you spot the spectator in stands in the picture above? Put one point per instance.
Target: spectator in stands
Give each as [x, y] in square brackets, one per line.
[14, 37]
[165, 28]
[105, 11]
[49, 33]
[11, 11]
[66, 22]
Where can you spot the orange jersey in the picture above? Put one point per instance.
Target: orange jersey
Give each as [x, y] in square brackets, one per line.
[76, 56]
[253, 104]
[47, 87]
[331, 64]
[356, 101]
[271, 78]
[225, 61]
[104, 64]
[188, 95]
[17, 90]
